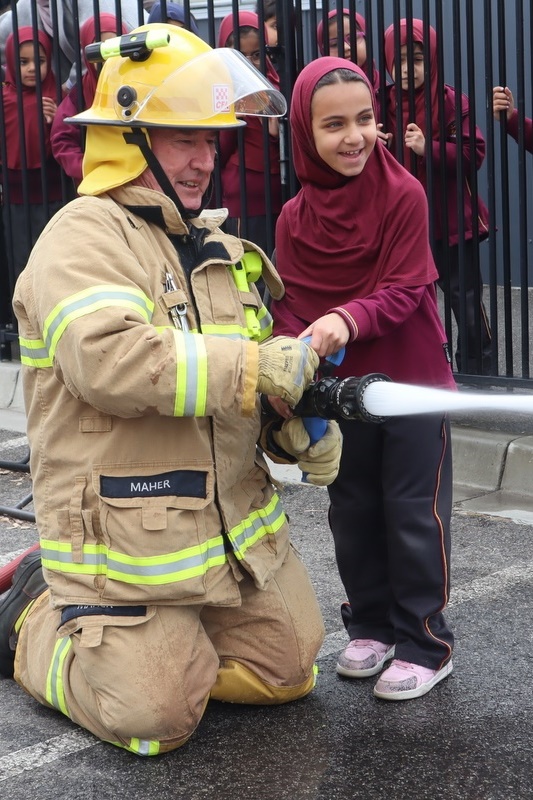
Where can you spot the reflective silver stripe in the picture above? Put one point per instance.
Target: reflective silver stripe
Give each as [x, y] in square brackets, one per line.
[153, 570]
[55, 693]
[89, 301]
[266, 322]
[33, 353]
[262, 522]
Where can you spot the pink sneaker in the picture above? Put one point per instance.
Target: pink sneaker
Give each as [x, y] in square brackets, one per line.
[363, 657]
[405, 681]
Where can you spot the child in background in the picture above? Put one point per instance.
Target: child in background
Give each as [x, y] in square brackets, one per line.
[270, 20]
[26, 160]
[254, 165]
[66, 139]
[476, 357]
[354, 256]
[342, 48]
[175, 16]
[503, 100]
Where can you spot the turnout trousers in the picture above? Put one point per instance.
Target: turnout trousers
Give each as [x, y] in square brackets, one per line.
[143, 682]
[390, 517]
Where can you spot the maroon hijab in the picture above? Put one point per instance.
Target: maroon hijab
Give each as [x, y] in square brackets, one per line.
[360, 26]
[31, 113]
[254, 156]
[108, 24]
[343, 238]
[250, 20]
[419, 94]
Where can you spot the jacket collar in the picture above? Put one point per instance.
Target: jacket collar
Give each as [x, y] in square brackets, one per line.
[156, 207]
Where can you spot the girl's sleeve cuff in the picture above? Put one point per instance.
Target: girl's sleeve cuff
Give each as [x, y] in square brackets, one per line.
[349, 320]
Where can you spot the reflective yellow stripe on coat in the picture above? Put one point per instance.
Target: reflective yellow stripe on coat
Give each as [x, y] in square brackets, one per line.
[191, 357]
[98, 559]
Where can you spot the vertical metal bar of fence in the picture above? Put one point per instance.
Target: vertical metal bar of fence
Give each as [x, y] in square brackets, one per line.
[522, 193]
[313, 26]
[491, 179]
[430, 165]
[286, 18]
[505, 209]
[269, 227]
[442, 199]
[284, 146]
[410, 56]
[460, 173]
[380, 25]
[396, 15]
[472, 186]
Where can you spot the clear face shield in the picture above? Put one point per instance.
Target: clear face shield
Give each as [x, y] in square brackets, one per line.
[207, 91]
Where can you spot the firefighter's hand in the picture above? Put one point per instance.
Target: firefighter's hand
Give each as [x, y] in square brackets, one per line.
[286, 367]
[320, 461]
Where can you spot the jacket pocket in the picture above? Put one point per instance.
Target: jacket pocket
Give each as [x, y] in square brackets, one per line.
[155, 529]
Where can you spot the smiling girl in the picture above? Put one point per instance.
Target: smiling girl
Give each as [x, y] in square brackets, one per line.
[354, 256]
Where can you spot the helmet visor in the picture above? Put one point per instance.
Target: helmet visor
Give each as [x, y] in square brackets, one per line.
[203, 92]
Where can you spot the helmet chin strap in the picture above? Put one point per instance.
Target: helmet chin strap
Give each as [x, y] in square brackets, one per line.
[139, 138]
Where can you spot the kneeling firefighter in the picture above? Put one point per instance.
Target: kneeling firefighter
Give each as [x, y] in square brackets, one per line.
[165, 575]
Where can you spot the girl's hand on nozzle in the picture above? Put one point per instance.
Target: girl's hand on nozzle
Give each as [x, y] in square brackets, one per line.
[502, 100]
[328, 334]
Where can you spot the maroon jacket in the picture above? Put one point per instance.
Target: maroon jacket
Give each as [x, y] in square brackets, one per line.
[446, 172]
[66, 138]
[256, 175]
[399, 334]
[512, 129]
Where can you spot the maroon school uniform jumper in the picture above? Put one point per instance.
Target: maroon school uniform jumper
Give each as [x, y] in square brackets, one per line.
[359, 246]
[477, 355]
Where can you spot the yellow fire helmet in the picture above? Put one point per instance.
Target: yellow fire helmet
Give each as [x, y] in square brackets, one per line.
[177, 81]
[164, 76]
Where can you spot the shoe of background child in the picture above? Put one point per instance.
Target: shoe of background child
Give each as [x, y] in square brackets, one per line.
[364, 657]
[28, 584]
[405, 681]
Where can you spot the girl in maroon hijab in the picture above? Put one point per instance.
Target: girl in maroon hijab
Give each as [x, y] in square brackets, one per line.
[66, 139]
[28, 145]
[354, 256]
[250, 203]
[342, 46]
[476, 356]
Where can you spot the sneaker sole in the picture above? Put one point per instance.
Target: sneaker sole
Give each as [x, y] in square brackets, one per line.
[421, 690]
[365, 673]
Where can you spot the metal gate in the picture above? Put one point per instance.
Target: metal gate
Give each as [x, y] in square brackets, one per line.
[480, 44]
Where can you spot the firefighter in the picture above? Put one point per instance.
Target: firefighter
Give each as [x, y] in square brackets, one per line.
[165, 575]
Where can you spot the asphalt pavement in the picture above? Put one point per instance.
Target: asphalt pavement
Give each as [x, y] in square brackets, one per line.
[469, 738]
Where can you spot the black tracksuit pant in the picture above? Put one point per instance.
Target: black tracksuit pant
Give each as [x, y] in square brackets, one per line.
[390, 517]
[474, 357]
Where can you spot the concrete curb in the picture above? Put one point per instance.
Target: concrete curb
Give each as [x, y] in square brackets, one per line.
[493, 470]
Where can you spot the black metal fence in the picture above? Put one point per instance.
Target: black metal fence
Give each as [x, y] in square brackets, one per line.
[479, 44]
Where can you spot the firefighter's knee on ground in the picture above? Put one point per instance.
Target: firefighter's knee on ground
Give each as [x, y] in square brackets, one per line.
[150, 728]
[237, 683]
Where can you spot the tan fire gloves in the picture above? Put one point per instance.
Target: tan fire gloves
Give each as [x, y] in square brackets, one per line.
[286, 366]
[320, 462]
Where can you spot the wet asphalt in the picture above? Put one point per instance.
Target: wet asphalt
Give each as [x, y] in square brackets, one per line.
[469, 738]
